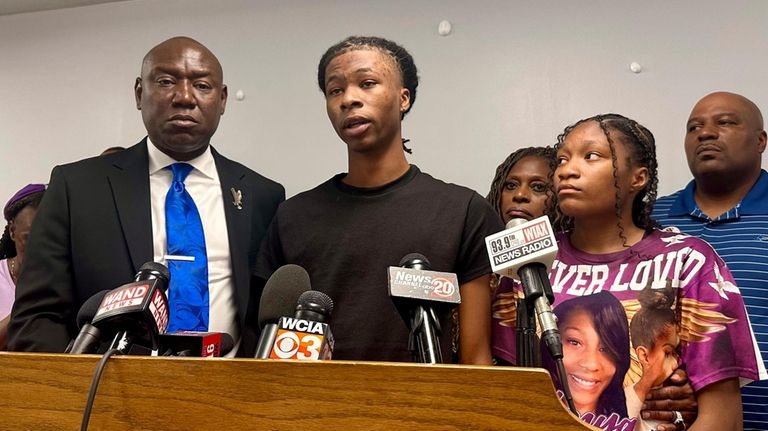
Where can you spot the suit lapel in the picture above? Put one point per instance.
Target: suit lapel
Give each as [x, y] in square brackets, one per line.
[238, 221]
[129, 180]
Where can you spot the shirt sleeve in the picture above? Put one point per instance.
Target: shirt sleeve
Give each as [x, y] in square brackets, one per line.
[481, 221]
[718, 342]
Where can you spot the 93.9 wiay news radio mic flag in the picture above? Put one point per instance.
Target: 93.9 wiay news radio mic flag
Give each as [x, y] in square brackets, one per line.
[525, 251]
[521, 243]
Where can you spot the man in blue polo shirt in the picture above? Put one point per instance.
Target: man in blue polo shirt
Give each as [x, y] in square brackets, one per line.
[727, 205]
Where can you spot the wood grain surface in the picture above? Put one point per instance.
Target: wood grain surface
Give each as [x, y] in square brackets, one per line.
[48, 392]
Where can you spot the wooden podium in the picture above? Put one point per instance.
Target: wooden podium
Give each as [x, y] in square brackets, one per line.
[48, 392]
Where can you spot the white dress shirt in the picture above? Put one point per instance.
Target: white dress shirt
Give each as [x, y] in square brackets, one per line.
[204, 186]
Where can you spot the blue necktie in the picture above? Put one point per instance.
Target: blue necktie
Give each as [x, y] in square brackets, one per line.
[188, 292]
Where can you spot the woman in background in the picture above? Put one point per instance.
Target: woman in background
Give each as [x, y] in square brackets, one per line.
[19, 214]
[521, 188]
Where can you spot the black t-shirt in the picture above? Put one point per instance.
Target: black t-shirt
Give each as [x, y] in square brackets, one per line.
[347, 237]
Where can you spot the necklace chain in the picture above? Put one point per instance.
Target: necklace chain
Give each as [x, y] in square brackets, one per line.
[12, 269]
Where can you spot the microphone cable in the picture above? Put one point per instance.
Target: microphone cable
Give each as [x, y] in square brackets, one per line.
[95, 387]
[566, 388]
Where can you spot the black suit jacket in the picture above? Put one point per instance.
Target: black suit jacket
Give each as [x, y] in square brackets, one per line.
[93, 231]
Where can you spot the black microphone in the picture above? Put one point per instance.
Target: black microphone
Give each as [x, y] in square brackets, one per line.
[306, 335]
[196, 344]
[526, 250]
[278, 299]
[137, 311]
[314, 305]
[89, 338]
[424, 288]
[533, 272]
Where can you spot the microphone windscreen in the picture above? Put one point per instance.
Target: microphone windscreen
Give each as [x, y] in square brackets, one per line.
[157, 269]
[89, 308]
[515, 222]
[415, 261]
[281, 293]
[227, 343]
[315, 300]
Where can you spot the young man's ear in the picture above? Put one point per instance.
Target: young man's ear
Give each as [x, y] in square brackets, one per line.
[405, 100]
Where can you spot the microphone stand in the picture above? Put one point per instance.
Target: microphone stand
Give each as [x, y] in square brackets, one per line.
[527, 342]
[122, 342]
[423, 339]
[539, 296]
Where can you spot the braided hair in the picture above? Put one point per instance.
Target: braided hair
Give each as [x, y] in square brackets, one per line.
[7, 246]
[641, 147]
[656, 316]
[398, 54]
[497, 185]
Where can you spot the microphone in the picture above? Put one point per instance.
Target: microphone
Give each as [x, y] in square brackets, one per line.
[89, 338]
[525, 251]
[196, 344]
[307, 335]
[415, 281]
[137, 311]
[280, 293]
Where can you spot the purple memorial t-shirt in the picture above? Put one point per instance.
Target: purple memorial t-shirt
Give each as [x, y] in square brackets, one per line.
[678, 297]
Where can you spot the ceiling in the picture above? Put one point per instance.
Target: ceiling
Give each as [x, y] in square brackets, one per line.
[9, 7]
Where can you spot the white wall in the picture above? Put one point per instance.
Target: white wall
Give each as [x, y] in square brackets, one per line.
[512, 74]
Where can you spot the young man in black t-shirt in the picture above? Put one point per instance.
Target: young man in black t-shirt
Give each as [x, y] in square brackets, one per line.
[347, 231]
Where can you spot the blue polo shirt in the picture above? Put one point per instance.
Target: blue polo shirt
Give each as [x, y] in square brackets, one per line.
[740, 237]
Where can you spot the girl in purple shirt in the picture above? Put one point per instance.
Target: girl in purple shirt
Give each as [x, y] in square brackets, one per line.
[605, 182]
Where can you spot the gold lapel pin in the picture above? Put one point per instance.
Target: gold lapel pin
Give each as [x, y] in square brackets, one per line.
[237, 198]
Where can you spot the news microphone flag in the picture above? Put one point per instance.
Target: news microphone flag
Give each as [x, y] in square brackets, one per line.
[520, 244]
[306, 335]
[137, 296]
[302, 339]
[525, 251]
[414, 284]
[196, 343]
[140, 307]
[424, 285]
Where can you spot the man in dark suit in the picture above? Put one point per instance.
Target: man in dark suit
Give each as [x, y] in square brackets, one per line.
[104, 217]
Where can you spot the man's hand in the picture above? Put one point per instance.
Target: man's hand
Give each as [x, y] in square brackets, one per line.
[676, 395]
